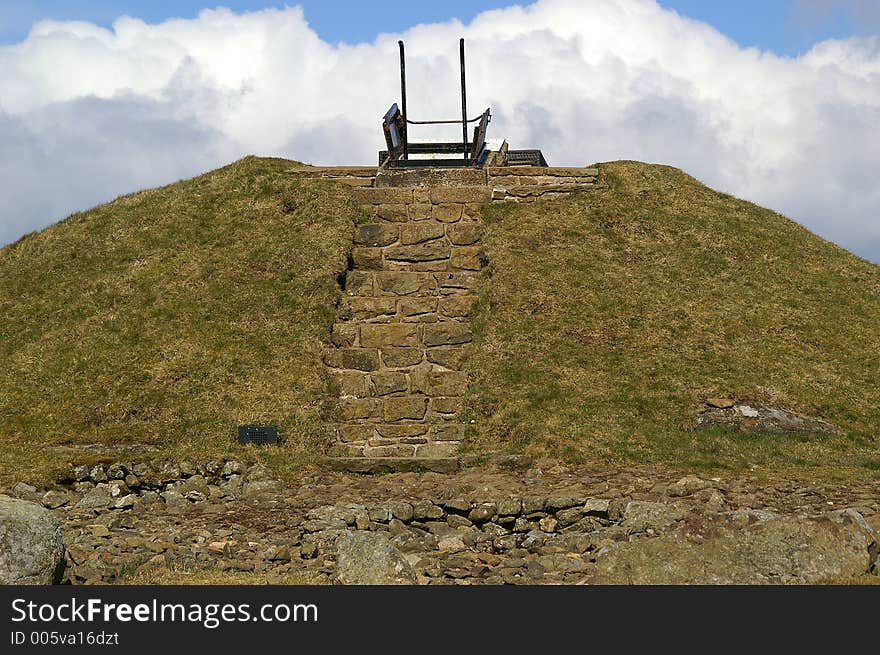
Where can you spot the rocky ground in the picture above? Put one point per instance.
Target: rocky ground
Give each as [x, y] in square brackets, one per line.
[510, 522]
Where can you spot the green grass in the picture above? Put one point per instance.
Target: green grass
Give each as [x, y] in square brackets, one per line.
[607, 318]
[172, 315]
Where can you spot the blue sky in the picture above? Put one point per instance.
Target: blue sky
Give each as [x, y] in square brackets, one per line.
[786, 27]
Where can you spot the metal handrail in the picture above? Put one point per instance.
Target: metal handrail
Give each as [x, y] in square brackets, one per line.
[396, 122]
[457, 121]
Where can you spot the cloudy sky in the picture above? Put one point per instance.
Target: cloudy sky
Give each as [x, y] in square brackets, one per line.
[776, 102]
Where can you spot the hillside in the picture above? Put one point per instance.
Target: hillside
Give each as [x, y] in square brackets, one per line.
[607, 319]
[169, 316]
[604, 320]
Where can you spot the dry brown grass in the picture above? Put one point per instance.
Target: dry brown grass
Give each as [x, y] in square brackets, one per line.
[172, 315]
[607, 319]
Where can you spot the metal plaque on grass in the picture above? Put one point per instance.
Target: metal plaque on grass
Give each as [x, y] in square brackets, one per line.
[259, 435]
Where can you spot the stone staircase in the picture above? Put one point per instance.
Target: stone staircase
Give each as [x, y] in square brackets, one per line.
[403, 323]
[402, 326]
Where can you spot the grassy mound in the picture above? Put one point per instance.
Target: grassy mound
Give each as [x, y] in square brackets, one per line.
[608, 318]
[170, 316]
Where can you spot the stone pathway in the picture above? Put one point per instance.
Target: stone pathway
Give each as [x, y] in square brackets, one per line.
[506, 523]
[403, 324]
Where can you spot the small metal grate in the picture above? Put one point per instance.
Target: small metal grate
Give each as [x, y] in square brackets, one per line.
[259, 435]
[525, 158]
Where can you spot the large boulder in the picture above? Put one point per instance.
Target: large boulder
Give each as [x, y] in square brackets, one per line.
[31, 550]
[744, 548]
[368, 558]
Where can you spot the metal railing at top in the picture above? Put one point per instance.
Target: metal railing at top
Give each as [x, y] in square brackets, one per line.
[395, 122]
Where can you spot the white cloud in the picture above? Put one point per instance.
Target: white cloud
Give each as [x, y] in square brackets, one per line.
[87, 113]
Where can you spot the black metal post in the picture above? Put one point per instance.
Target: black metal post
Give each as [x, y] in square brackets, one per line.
[464, 135]
[403, 100]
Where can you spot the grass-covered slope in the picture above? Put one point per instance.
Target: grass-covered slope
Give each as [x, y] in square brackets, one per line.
[172, 315]
[609, 317]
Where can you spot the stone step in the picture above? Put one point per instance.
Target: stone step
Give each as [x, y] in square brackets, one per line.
[379, 434]
[434, 256]
[408, 283]
[378, 465]
[391, 358]
[378, 234]
[386, 195]
[405, 405]
[428, 379]
[406, 309]
[371, 336]
[542, 171]
[431, 449]
[431, 177]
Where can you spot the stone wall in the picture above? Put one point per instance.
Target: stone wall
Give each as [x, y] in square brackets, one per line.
[403, 323]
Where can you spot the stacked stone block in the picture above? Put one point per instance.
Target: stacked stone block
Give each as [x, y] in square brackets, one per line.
[403, 322]
[530, 183]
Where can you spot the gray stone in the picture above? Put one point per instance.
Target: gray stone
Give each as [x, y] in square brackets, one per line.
[233, 467]
[260, 487]
[561, 563]
[401, 510]
[425, 509]
[369, 558]
[233, 486]
[451, 543]
[320, 525]
[98, 474]
[259, 472]
[26, 491]
[347, 515]
[379, 513]
[149, 497]
[596, 507]
[524, 525]
[195, 496]
[509, 507]
[483, 512]
[174, 499]
[457, 521]
[533, 540]
[779, 550]
[690, 484]
[117, 471]
[494, 529]
[556, 503]
[459, 505]
[125, 502]
[117, 488]
[641, 516]
[569, 516]
[194, 483]
[532, 504]
[53, 499]
[95, 499]
[31, 549]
